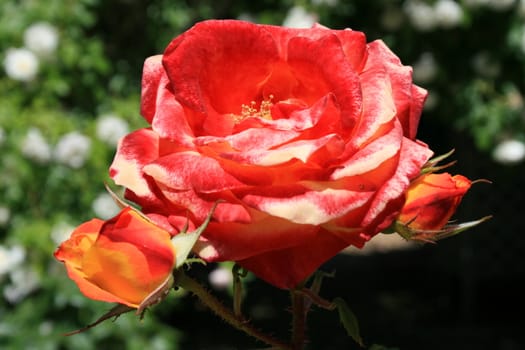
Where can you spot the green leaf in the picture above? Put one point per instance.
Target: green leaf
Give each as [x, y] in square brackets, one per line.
[349, 320]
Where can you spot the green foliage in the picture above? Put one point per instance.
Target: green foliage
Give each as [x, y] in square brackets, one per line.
[44, 194]
[348, 320]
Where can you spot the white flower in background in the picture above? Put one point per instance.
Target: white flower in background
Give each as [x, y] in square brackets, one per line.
[514, 99]
[500, 5]
[392, 18]
[2, 136]
[23, 282]
[21, 64]
[248, 17]
[432, 100]
[476, 3]
[448, 13]
[298, 17]
[104, 206]
[521, 8]
[10, 258]
[485, 65]
[331, 3]
[425, 68]
[41, 38]
[35, 146]
[111, 128]
[5, 215]
[45, 328]
[420, 15]
[61, 232]
[72, 149]
[221, 278]
[509, 152]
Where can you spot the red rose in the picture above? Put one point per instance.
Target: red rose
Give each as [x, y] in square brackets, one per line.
[122, 260]
[432, 199]
[306, 135]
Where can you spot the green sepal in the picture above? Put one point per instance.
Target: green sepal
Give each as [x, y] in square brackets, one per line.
[238, 273]
[155, 297]
[184, 242]
[115, 312]
[431, 165]
[121, 203]
[432, 236]
[349, 320]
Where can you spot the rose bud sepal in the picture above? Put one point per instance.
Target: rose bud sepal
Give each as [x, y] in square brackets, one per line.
[184, 242]
[432, 236]
[431, 166]
[430, 202]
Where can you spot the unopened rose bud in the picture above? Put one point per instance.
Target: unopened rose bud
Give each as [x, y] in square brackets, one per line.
[122, 260]
[432, 199]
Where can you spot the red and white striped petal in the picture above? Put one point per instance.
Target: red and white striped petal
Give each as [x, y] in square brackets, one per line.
[191, 171]
[135, 150]
[300, 150]
[312, 207]
[372, 156]
[378, 107]
[408, 98]
[411, 159]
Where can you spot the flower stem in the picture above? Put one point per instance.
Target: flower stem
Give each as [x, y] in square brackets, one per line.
[299, 312]
[237, 321]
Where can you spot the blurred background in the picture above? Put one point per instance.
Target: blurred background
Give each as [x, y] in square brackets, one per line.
[69, 89]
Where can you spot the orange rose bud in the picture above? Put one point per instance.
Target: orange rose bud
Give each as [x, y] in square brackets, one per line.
[124, 260]
[432, 199]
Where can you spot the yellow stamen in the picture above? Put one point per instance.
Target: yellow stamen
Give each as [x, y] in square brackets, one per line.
[248, 111]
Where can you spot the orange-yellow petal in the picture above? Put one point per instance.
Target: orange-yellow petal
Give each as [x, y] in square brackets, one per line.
[432, 199]
[121, 260]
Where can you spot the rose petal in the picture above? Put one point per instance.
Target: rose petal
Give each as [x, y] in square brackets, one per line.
[81, 239]
[372, 156]
[152, 73]
[412, 156]
[301, 150]
[119, 269]
[250, 139]
[71, 252]
[129, 228]
[321, 67]
[190, 205]
[354, 47]
[235, 241]
[310, 208]
[408, 98]
[184, 171]
[135, 150]
[378, 106]
[286, 268]
[411, 122]
[198, 61]
[170, 120]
